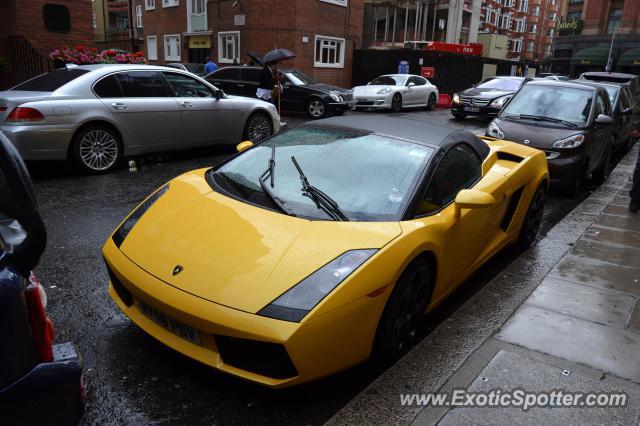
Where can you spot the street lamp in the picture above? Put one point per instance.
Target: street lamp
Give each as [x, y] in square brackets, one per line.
[613, 35]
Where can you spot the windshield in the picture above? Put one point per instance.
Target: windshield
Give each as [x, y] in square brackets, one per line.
[501, 84]
[562, 103]
[299, 78]
[389, 80]
[369, 176]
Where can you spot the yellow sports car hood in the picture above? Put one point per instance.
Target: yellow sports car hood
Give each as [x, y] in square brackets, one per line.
[236, 254]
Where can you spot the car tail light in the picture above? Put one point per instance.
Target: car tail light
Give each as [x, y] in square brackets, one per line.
[24, 115]
[41, 326]
[3, 108]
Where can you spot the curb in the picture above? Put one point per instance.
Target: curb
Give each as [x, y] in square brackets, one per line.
[432, 362]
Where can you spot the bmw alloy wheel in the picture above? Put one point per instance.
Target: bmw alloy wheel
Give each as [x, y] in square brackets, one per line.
[259, 128]
[98, 150]
[315, 108]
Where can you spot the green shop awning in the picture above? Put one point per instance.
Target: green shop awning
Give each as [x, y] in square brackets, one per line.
[592, 56]
[630, 57]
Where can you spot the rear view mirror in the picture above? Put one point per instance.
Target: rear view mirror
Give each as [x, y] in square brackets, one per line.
[243, 146]
[472, 199]
[604, 119]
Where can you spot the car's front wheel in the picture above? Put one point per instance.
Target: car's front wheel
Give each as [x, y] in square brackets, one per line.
[97, 149]
[396, 103]
[316, 108]
[258, 127]
[533, 219]
[403, 313]
[431, 103]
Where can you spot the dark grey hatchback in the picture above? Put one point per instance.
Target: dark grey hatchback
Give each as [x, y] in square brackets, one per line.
[571, 122]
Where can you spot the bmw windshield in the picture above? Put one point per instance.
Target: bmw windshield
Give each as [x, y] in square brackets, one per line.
[369, 176]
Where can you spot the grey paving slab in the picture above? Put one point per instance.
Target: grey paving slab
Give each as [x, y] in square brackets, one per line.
[617, 210]
[607, 348]
[508, 371]
[619, 255]
[598, 274]
[621, 200]
[606, 307]
[613, 236]
[629, 222]
[634, 319]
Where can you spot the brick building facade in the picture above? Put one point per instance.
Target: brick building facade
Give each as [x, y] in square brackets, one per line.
[322, 33]
[528, 24]
[586, 32]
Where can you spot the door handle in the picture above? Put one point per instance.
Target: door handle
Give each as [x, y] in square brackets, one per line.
[186, 104]
[119, 106]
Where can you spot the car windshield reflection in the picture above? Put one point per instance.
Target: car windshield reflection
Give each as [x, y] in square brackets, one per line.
[388, 80]
[501, 84]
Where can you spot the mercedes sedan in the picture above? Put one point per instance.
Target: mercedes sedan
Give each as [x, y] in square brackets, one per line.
[96, 115]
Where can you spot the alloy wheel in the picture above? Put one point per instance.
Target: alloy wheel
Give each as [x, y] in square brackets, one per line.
[534, 216]
[431, 103]
[316, 108]
[410, 309]
[396, 103]
[259, 128]
[98, 150]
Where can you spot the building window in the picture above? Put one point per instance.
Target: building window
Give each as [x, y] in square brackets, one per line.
[520, 26]
[149, 4]
[506, 22]
[198, 7]
[138, 16]
[614, 20]
[530, 46]
[533, 28]
[339, 2]
[228, 47]
[551, 16]
[524, 6]
[551, 32]
[94, 19]
[488, 18]
[172, 47]
[547, 49]
[516, 45]
[152, 48]
[329, 52]
[170, 3]
[536, 10]
[574, 16]
[57, 18]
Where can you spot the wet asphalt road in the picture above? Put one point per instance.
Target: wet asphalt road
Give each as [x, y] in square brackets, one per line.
[132, 379]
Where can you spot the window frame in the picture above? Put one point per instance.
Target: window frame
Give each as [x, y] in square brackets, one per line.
[138, 16]
[155, 50]
[343, 3]
[221, 59]
[429, 179]
[149, 4]
[170, 3]
[168, 81]
[164, 48]
[341, 47]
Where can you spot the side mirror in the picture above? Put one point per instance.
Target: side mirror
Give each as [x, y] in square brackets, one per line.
[243, 146]
[604, 119]
[627, 111]
[472, 199]
[218, 94]
[410, 85]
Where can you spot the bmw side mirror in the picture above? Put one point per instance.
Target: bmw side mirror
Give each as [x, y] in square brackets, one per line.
[218, 94]
[604, 119]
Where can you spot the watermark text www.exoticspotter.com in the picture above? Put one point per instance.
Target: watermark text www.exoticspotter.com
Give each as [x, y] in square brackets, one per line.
[518, 398]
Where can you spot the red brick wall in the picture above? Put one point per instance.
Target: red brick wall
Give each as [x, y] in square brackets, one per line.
[24, 18]
[163, 21]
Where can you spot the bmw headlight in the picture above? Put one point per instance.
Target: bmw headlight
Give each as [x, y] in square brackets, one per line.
[500, 101]
[494, 131]
[573, 141]
[336, 97]
[296, 302]
[126, 227]
[456, 98]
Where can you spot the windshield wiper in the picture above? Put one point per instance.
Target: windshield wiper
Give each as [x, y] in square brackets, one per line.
[549, 119]
[270, 170]
[322, 200]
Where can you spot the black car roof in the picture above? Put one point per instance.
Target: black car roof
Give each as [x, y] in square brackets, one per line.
[406, 128]
[608, 74]
[571, 83]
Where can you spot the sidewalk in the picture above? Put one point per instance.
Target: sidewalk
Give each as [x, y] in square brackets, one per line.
[565, 315]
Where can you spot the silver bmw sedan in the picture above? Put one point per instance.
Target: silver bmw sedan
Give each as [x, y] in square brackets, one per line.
[96, 115]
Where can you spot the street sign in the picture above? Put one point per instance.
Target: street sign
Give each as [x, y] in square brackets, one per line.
[427, 72]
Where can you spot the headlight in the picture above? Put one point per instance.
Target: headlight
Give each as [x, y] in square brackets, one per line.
[296, 303]
[336, 97]
[456, 98]
[500, 101]
[573, 141]
[494, 131]
[126, 227]
[384, 91]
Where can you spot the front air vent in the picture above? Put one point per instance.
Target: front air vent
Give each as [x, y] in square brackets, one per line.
[509, 157]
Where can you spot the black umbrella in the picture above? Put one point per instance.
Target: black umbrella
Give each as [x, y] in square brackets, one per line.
[276, 55]
[255, 57]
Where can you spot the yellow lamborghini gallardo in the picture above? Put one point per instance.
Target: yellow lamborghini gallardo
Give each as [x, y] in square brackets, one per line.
[322, 246]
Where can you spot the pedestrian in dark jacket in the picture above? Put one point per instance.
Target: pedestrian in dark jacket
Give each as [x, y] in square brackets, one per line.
[269, 88]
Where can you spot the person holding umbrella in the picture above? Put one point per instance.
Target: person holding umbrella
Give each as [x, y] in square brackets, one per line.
[269, 88]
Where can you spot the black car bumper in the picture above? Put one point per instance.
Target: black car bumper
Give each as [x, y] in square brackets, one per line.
[475, 110]
[51, 393]
[339, 107]
[564, 166]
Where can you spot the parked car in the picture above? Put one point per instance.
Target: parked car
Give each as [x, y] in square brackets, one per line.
[571, 122]
[40, 383]
[300, 92]
[97, 114]
[487, 97]
[396, 91]
[616, 77]
[622, 108]
[331, 241]
[193, 68]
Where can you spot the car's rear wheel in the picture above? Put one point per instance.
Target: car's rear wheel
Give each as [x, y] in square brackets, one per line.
[97, 149]
[532, 219]
[258, 127]
[403, 313]
[316, 108]
[459, 115]
[396, 103]
[601, 173]
[431, 103]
